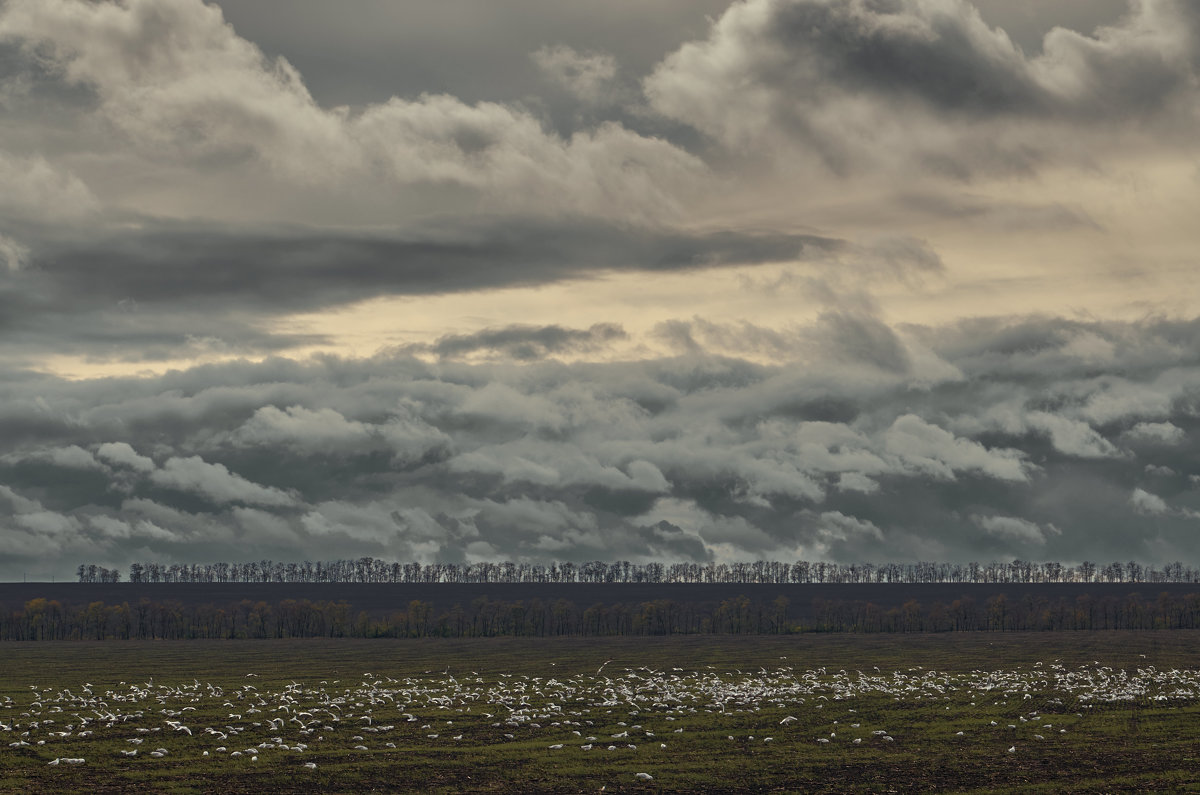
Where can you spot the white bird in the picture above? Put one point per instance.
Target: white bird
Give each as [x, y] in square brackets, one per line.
[644, 776]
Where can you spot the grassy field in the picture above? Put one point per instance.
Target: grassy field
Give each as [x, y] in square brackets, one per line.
[1050, 712]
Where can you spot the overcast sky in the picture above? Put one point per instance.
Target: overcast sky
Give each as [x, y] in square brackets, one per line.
[852, 280]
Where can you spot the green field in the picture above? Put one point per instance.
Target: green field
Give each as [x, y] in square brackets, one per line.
[1047, 712]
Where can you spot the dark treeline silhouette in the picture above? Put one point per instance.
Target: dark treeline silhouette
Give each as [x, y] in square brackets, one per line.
[90, 572]
[42, 619]
[373, 570]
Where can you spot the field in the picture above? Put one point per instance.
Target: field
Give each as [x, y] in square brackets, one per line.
[379, 599]
[969, 712]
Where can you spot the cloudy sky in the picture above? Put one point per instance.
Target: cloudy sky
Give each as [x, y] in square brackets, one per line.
[542, 280]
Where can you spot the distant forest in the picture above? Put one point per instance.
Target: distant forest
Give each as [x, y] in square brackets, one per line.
[48, 619]
[765, 572]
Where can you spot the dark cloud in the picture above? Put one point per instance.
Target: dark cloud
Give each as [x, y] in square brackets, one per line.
[176, 189]
[525, 343]
[155, 293]
[313, 269]
[942, 54]
[864, 84]
[866, 339]
[1065, 436]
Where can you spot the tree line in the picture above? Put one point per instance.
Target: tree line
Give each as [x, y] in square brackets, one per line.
[42, 619]
[374, 570]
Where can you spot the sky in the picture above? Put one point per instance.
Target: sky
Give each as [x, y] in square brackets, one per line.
[673, 280]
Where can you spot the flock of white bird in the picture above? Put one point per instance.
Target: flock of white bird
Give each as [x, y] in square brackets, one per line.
[643, 713]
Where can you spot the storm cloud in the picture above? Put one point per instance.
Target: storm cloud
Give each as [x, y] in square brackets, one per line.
[910, 83]
[700, 456]
[862, 280]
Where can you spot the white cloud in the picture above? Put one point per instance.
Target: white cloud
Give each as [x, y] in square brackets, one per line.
[1011, 528]
[320, 430]
[939, 453]
[1119, 398]
[70, 457]
[1145, 502]
[123, 454]
[19, 503]
[588, 76]
[853, 481]
[647, 477]
[35, 189]
[216, 482]
[836, 526]
[48, 523]
[1073, 437]
[13, 253]
[370, 523]
[1160, 432]
[118, 529]
[185, 91]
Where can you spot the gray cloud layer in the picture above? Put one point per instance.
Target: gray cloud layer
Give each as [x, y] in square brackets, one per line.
[174, 188]
[1035, 438]
[155, 158]
[925, 86]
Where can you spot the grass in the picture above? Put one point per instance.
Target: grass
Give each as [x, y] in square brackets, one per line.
[1123, 714]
